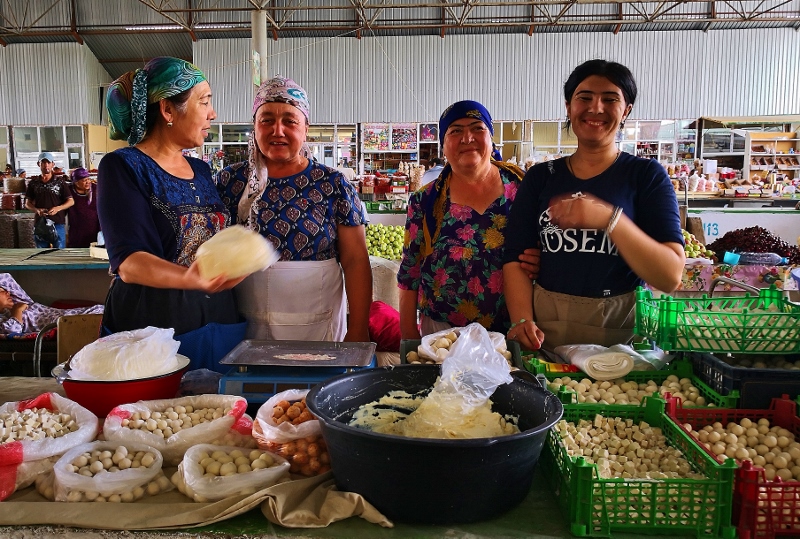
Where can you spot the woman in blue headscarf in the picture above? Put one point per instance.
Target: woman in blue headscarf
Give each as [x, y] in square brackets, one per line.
[451, 268]
[157, 206]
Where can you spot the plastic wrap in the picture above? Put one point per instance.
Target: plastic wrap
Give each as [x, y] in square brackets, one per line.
[128, 355]
[427, 350]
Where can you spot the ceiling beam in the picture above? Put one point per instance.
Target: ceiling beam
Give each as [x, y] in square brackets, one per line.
[712, 14]
[73, 23]
[620, 14]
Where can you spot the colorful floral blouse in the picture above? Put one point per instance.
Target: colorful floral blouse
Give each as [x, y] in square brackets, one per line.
[462, 280]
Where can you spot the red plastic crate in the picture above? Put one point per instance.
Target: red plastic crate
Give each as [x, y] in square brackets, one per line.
[761, 508]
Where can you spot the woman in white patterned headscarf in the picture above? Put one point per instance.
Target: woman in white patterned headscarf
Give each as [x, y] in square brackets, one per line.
[313, 217]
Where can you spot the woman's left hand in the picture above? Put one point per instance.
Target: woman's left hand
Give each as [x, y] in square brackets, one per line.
[579, 210]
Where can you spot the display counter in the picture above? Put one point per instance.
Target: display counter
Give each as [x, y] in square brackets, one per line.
[48, 275]
[783, 222]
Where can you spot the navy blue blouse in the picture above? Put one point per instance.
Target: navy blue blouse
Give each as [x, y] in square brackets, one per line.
[144, 208]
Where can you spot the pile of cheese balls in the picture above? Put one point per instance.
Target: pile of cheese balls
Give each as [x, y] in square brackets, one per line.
[96, 463]
[770, 447]
[762, 362]
[35, 424]
[623, 392]
[441, 347]
[172, 419]
[222, 463]
[621, 448]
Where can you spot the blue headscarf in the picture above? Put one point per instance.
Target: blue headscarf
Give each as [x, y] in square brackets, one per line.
[467, 109]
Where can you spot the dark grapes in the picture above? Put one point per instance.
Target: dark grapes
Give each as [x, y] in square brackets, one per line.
[755, 240]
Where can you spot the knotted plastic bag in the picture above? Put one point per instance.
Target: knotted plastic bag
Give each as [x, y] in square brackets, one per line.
[127, 355]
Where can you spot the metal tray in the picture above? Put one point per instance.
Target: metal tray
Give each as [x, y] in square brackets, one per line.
[344, 354]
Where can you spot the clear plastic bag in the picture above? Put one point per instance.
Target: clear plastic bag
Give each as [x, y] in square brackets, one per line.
[193, 480]
[174, 445]
[123, 485]
[474, 368]
[127, 355]
[428, 350]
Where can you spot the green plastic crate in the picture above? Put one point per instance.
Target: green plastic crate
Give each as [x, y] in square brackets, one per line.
[715, 324]
[597, 507]
[409, 345]
[682, 368]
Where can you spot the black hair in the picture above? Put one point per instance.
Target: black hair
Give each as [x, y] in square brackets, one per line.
[154, 109]
[435, 162]
[617, 73]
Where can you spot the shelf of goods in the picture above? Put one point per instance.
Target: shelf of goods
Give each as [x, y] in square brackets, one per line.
[385, 145]
[772, 157]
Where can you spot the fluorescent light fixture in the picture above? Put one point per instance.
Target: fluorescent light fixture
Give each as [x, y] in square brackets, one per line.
[160, 27]
[220, 26]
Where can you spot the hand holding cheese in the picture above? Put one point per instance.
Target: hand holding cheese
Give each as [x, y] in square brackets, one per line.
[235, 252]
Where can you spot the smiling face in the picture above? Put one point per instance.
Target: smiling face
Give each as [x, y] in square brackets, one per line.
[192, 121]
[596, 110]
[467, 143]
[280, 131]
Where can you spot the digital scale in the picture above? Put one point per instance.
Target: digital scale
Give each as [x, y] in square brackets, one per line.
[260, 368]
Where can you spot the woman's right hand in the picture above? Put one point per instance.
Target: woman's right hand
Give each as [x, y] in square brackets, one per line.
[211, 286]
[527, 334]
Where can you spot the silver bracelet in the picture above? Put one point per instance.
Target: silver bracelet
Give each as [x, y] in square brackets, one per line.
[612, 223]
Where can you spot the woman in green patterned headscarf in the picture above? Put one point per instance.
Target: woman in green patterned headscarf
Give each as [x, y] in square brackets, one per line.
[157, 206]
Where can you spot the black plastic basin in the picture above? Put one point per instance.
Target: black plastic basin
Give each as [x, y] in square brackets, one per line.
[424, 480]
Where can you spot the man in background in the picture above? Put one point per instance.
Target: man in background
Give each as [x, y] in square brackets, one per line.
[49, 197]
[432, 173]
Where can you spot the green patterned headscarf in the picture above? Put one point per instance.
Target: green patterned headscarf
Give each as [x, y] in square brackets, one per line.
[129, 95]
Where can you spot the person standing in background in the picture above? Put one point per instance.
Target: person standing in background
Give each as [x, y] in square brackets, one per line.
[21, 173]
[437, 165]
[48, 196]
[82, 216]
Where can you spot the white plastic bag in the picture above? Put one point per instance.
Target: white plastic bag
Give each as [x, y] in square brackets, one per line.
[301, 444]
[192, 480]
[285, 432]
[127, 355]
[235, 251]
[19, 476]
[127, 485]
[175, 445]
[427, 349]
[239, 435]
[15, 452]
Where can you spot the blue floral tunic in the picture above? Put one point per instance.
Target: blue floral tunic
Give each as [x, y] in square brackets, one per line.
[298, 214]
[462, 280]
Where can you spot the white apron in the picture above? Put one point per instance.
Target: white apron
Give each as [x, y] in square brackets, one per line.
[295, 301]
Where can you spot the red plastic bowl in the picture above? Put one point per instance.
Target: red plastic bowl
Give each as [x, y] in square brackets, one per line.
[100, 396]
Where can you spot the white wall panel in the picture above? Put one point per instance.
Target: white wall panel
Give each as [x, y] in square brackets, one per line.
[413, 78]
[50, 84]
